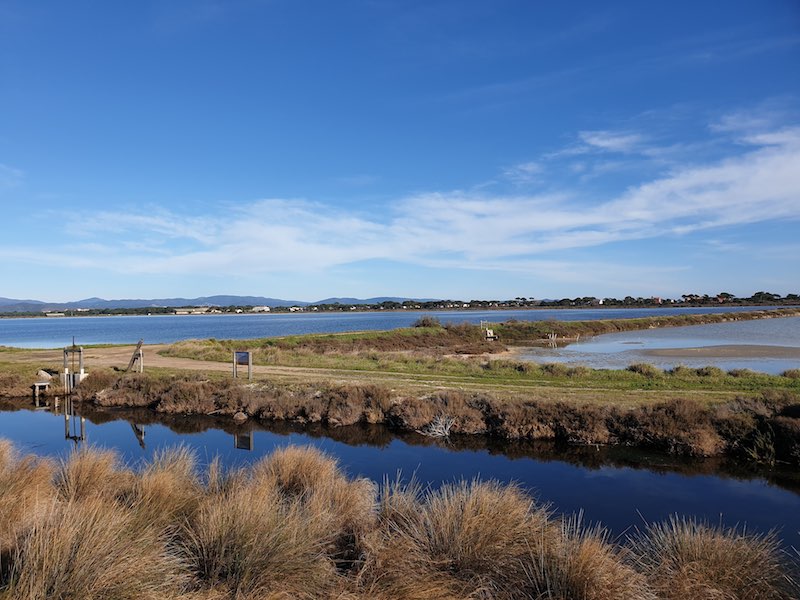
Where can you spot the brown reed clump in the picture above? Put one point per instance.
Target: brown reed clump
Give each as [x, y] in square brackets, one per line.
[343, 509]
[247, 538]
[91, 472]
[25, 490]
[683, 558]
[579, 563]
[464, 540]
[90, 549]
[168, 489]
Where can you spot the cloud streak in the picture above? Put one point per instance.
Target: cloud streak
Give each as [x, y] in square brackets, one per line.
[10, 176]
[456, 229]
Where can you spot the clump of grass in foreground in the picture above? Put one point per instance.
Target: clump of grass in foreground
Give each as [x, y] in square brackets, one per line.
[294, 526]
[463, 540]
[91, 473]
[249, 541]
[579, 563]
[682, 558]
[25, 490]
[90, 549]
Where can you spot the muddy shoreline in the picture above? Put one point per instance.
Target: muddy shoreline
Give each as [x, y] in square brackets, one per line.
[727, 351]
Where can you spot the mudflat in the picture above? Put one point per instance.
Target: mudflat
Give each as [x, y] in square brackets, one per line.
[729, 351]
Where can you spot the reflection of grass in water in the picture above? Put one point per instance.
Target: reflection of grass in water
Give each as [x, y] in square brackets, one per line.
[294, 526]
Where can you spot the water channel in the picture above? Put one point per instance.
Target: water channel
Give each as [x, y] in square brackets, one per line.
[618, 487]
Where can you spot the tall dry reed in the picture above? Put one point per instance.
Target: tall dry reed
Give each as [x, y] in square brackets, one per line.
[247, 538]
[295, 526]
[90, 549]
[683, 558]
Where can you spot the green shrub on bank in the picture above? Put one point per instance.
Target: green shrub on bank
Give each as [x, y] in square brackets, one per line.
[427, 321]
[646, 369]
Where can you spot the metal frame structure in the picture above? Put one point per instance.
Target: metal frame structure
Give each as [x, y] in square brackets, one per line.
[241, 358]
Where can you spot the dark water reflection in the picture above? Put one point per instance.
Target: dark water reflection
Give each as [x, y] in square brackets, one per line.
[619, 487]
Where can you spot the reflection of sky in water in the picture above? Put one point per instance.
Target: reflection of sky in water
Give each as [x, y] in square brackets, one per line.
[614, 496]
[618, 350]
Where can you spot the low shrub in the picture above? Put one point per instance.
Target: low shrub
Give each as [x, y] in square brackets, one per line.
[427, 321]
[555, 369]
[742, 373]
[645, 369]
[710, 371]
[681, 371]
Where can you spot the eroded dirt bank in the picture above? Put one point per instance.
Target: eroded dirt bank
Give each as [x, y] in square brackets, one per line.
[763, 426]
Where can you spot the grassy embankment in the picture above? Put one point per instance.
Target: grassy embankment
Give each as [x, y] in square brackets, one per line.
[703, 411]
[459, 352]
[293, 526]
[761, 426]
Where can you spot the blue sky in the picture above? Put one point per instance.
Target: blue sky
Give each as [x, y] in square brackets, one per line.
[464, 149]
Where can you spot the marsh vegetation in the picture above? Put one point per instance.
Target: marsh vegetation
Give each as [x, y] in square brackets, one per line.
[293, 525]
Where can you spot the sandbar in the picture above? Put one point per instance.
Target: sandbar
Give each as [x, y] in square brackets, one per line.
[728, 351]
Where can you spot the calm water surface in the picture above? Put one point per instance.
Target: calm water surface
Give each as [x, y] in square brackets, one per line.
[54, 332]
[617, 487]
[618, 350]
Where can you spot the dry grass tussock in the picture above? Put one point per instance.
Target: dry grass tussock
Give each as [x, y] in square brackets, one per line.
[250, 541]
[168, 489]
[91, 473]
[579, 563]
[25, 491]
[685, 559]
[90, 549]
[465, 540]
[295, 526]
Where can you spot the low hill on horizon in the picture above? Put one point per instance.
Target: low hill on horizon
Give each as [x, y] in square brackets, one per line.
[16, 305]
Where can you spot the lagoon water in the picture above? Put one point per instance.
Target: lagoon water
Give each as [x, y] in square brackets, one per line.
[618, 350]
[54, 332]
[617, 487]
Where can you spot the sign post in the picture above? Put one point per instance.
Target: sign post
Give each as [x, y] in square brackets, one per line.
[241, 358]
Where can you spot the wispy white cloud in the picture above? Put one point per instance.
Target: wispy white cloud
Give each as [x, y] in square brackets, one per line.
[10, 176]
[611, 141]
[521, 173]
[456, 229]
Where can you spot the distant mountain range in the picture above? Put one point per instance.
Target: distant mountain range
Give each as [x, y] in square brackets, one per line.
[14, 305]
